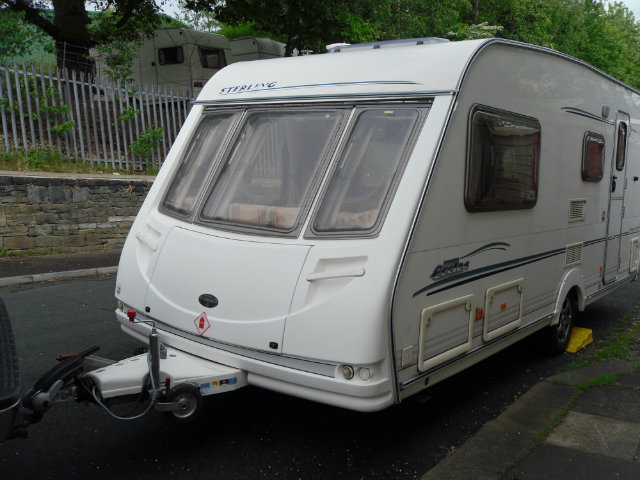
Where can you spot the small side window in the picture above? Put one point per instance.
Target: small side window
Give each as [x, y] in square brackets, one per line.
[592, 157]
[212, 57]
[170, 55]
[621, 148]
[502, 160]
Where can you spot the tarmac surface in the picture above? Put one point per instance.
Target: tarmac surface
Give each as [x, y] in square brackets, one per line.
[583, 423]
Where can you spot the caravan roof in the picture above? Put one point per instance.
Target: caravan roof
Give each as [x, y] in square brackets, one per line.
[417, 69]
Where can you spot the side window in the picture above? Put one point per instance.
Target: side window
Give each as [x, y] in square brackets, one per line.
[212, 57]
[621, 148]
[170, 55]
[592, 157]
[502, 160]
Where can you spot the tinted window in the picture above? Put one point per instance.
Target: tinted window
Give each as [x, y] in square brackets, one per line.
[503, 159]
[266, 179]
[212, 57]
[621, 147]
[592, 157]
[370, 161]
[170, 55]
[198, 161]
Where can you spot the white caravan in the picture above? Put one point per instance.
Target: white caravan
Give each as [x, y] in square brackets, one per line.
[353, 227]
[254, 48]
[177, 58]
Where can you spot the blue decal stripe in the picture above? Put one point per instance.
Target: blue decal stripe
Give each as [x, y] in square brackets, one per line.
[314, 85]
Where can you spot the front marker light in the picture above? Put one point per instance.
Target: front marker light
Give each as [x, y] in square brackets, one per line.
[348, 372]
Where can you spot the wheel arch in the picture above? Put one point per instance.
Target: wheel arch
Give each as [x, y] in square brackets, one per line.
[571, 284]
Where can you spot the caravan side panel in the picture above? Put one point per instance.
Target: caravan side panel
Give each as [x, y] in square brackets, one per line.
[512, 262]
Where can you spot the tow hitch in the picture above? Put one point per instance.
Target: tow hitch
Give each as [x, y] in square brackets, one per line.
[163, 379]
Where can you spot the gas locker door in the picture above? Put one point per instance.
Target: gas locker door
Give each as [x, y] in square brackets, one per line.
[616, 198]
[232, 291]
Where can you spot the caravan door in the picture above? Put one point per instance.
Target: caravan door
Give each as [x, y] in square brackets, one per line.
[616, 199]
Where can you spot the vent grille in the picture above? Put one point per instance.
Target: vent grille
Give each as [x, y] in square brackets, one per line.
[577, 209]
[573, 254]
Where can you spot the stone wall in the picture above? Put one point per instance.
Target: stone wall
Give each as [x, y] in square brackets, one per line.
[52, 213]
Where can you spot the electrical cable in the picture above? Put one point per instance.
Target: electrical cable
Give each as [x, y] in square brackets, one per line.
[154, 396]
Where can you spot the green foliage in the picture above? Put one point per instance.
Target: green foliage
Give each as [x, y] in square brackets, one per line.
[604, 34]
[64, 127]
[128, 114]
[243, 30]
[17, 37]
[617, 343]
[148, 141]
[39, 160]
[49, 105]
[118, 56]
[204, 21]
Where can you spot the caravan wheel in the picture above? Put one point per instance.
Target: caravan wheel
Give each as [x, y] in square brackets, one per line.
[558, 335]
[191, 400]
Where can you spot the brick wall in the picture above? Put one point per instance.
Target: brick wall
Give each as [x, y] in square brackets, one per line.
[45, 213]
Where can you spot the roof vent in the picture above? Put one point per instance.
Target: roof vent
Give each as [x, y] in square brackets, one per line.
[344, 47]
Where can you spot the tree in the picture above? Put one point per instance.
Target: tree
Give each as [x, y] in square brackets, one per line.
[312, 24]
[300, 24]
[18, 38]
[75, 31]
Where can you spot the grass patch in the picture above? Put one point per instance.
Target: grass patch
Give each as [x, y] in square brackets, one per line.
[617, 343]
[606, 379]
[38, 160]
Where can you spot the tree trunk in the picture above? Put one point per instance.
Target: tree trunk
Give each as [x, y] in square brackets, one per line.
[74, 41]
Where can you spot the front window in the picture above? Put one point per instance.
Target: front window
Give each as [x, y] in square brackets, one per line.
[369, 164]
[259, 170]
[266, 179]
[198, 161]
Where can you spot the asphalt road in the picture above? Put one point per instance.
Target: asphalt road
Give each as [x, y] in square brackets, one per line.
[251, 433]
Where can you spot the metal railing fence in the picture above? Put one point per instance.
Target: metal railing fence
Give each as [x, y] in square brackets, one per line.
[126, 127]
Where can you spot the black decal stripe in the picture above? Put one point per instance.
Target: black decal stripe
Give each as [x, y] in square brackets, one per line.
[584, 113]
[490, 246]
[532, 259]
[495, 268]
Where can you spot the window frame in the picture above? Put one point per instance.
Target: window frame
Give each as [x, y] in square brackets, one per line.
[524, 120]
[422, 109]
[599, 138]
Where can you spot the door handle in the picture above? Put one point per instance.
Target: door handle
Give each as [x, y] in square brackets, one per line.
[613, 184]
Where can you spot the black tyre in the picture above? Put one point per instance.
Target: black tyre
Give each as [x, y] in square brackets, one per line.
[191, 400]
[557, 336]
